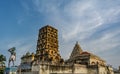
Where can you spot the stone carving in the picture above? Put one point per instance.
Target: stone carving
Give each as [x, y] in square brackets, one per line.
[47, 45]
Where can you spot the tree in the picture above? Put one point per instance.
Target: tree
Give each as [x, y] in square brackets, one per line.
[2, 63]
[2, 59]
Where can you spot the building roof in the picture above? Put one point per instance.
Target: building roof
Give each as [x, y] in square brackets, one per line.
[49, 27]
[28, 54]
[91, 55]
[76, 50]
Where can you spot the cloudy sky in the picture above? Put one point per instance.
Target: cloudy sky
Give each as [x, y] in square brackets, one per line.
[95, 24]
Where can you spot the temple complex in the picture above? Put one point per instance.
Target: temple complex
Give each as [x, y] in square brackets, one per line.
[47, 59]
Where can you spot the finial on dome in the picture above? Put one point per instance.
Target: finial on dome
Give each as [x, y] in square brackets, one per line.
[77, 42]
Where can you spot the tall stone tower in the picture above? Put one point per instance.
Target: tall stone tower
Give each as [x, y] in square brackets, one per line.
[47, 45]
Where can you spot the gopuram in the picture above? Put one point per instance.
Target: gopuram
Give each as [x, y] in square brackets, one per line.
[47, 59]
[47, 45]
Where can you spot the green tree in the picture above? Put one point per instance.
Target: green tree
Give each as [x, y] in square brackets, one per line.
[2, 63]
[2, 58]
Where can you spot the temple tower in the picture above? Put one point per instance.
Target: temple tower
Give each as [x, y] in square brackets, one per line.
[77, 50]
[47, 45]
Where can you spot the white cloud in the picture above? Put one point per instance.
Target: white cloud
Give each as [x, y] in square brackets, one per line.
[89, 18]
[72, 34]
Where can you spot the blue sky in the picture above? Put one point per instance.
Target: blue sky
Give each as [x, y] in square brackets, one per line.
[95, 24]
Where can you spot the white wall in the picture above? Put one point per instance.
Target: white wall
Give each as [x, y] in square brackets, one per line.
[76, 68]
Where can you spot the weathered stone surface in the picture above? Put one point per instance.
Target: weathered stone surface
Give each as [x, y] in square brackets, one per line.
[47, 45]
[76, 51]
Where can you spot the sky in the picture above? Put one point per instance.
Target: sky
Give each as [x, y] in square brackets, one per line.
[95, 24]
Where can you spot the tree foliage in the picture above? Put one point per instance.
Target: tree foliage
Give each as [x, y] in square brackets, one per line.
[2, 58]
[2, 63]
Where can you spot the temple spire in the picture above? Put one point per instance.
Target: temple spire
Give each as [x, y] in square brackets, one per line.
[77, 50]
[76, 42]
